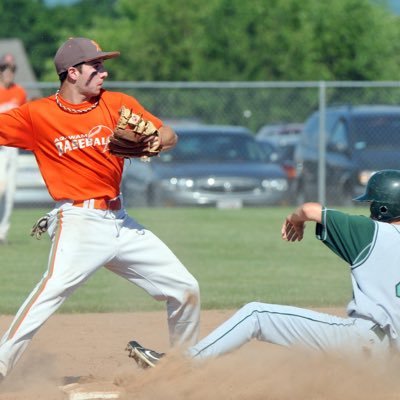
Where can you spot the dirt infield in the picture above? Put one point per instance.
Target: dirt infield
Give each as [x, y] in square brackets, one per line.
[90, 348]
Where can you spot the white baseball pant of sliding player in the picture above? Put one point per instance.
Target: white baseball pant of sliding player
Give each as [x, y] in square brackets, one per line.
[291, 326]
[373, 322]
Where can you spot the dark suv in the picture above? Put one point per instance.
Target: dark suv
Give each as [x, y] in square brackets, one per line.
[359, 141]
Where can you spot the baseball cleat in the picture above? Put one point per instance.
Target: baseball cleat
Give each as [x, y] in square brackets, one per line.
[144, 358]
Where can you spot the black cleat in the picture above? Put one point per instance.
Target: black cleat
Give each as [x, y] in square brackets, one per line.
[144, 358]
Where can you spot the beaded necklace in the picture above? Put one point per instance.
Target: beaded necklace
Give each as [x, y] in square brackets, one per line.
[74, 111]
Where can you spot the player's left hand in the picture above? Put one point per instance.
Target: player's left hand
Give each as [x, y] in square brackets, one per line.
[292, 231]
[134, 137]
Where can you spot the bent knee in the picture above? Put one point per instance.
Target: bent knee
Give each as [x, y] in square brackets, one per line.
[189, 292]
[253, 306]
[193, 291]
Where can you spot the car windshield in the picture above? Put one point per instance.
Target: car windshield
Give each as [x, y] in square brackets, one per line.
[375, 132]
[214, 147]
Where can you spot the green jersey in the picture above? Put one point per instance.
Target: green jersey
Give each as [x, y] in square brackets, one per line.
[372, 250]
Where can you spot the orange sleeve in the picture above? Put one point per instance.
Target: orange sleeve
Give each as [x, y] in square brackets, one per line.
[16, 128]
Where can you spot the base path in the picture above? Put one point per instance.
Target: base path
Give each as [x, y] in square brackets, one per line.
[73, 355]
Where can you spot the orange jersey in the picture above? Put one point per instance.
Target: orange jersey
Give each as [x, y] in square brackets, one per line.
[71, 149]
[11, 97]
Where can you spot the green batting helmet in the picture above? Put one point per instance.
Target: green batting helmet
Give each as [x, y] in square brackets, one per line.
[383, 194]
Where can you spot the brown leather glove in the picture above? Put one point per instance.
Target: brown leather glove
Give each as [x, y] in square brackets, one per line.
[134, 137]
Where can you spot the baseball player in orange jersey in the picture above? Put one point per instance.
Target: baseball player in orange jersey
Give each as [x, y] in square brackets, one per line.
[68, 133]
[11, 96]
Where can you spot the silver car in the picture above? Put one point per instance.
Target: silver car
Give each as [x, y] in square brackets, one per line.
[212, 165]
[31, 190]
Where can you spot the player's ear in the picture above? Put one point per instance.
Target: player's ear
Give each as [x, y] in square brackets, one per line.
[73, 73]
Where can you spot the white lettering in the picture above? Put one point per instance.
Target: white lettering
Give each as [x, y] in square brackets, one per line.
[98, 136]
[96, 142]
[67, 147]
[60, 149]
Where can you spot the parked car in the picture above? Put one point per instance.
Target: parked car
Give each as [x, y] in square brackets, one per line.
[279, 130]
[285, 137]
[270, 150]
[30, 188]
[283, 156]
[211, 165]
[359, 141]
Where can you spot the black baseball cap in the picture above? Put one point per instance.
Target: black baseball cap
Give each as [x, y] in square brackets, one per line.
[79, 50]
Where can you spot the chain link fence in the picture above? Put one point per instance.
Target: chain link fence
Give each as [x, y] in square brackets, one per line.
[262, 104]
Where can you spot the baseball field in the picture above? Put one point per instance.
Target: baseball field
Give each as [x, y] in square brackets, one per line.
[237, 256]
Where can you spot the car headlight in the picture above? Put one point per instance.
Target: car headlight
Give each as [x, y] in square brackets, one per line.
[363, 176]
[178, 183]
[275, 184]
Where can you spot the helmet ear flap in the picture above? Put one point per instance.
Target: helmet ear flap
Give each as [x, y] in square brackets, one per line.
[383, 209]
[380, 212]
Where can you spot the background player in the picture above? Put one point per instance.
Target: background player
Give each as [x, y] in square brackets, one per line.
[369, 245]
[68, 133]
[11, 96]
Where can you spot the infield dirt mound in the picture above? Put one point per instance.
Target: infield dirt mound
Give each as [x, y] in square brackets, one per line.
[90, 347]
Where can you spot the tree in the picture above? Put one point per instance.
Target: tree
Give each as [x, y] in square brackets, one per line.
[356, 41]
[292, 40]
[230, 40]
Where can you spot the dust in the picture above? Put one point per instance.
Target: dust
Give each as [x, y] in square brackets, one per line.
[263, 372]
[36, 380]
[91, 348]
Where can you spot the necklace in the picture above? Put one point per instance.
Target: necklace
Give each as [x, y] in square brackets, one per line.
[74, 111]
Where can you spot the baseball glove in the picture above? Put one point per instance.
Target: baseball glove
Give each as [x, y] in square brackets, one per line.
[40, 227]
[134, 136]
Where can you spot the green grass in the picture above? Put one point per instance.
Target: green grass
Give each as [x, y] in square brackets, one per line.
[236, 255]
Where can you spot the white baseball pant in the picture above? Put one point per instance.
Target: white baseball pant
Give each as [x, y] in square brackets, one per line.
[8, 176]
[292, 326]
[84, 240]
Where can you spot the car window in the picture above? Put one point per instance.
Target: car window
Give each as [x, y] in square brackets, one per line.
[270, 151]
[339, 136]
[311, 127]
[214, 148]
[286, 129]
[287, 152]
[268, 130]
[375, 132]
[310, 132]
